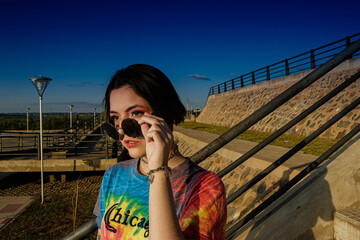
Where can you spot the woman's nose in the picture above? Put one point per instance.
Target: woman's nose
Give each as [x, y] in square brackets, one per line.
[120, 130]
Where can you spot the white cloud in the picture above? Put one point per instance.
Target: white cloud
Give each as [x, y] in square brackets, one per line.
[199, 77]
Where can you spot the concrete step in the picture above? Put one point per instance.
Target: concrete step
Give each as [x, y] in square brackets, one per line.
[347, 224]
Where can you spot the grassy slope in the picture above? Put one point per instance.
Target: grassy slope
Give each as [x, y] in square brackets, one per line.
[316, 147]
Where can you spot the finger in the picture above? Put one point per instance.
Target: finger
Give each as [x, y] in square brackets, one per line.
[166, 133]
[151, 119]
[155, 123]
[157, 136]
[145, 128]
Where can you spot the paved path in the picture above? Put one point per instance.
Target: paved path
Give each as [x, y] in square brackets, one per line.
[11, 206]
[270, 153]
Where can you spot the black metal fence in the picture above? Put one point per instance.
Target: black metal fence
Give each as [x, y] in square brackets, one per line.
[302, 62]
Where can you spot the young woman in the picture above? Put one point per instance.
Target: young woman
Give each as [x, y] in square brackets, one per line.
[158, 194]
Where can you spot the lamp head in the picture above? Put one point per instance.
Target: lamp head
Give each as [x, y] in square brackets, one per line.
[40, 84]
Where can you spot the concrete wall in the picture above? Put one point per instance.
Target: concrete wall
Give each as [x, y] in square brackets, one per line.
[307, 210]
[56, 165]
[188, 145]
[227, 109]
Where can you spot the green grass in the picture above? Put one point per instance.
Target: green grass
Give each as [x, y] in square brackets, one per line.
[316, 147]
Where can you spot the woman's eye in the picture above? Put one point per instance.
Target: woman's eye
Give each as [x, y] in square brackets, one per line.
[137, 114]
[113, 119]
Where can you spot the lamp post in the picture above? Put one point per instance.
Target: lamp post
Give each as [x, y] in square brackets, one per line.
[187, 107]
[40, 84]
[71, 107]
[27, 119]
[94, 110]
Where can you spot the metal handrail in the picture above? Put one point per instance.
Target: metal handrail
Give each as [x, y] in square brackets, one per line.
[285, 66]
[274, 103]
[231, 232]
[289, 125]
[292, 151]
[81, 125]
[82, 231]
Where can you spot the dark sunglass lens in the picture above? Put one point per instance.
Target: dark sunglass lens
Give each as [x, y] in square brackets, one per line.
[131, 127]
[110, 130]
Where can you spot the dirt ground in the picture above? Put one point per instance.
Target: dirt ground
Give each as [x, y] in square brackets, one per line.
[55, 217]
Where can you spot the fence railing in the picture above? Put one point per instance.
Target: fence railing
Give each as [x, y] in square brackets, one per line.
[84, 125]
[85, 138]
[302, 62]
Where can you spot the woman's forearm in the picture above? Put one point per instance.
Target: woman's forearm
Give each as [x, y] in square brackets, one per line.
[163, 222]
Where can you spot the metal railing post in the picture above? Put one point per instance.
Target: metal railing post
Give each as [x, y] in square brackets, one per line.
[242, 81]
[287, 70]
[20, 143]
[106, 148]
[348, 43]
[312, 59]
[267, 73]
[253, 77]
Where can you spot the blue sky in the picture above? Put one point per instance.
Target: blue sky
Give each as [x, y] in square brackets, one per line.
[197, 44]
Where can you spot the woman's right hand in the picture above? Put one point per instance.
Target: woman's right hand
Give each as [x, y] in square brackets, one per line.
[159, 140]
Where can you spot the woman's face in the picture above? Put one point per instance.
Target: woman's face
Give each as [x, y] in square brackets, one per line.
[125, 103]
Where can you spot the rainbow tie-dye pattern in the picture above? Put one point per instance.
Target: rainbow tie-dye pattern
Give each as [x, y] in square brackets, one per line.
[199, 198]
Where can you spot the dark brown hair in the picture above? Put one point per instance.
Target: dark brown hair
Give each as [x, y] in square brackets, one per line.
[154, 86]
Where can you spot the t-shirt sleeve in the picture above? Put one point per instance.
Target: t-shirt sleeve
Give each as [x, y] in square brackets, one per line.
[96, 211]
[99, 209]
[204, 216]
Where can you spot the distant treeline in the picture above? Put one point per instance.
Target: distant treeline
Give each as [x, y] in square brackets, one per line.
[34, 124]
[48, 124]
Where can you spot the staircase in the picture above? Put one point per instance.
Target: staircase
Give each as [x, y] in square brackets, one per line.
[347, 224]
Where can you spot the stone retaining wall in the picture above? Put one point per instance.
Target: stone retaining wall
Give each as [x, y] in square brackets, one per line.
[229, 108]
[307, 210]
[239, 176]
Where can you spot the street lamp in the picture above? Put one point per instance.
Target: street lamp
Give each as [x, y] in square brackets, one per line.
[187, 107]
[27, 119]
[94, 110]
[71, 107]
[40, 84]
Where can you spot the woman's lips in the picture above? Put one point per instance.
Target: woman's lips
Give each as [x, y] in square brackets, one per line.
[130, 143]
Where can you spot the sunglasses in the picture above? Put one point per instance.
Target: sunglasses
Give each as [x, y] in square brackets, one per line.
[130, 127]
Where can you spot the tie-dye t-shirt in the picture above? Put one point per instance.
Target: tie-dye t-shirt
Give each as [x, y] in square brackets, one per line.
[199, 197]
